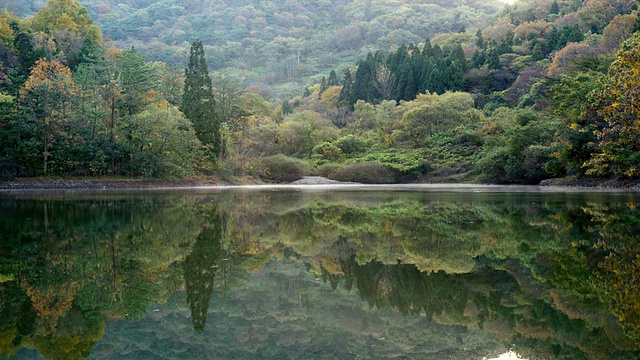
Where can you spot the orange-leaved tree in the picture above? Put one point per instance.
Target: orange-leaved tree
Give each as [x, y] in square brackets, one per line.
[47, 95]
[619, 147]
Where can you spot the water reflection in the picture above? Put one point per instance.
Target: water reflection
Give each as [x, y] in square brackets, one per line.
[545, 275]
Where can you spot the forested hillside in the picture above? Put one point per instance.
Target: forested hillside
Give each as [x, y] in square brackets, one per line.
[270, 43]
[353, 90]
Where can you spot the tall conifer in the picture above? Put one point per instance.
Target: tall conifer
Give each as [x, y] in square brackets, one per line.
[346, 94]
[198, 104]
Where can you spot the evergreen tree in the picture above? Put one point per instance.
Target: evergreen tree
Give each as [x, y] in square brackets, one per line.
[286, 107]
[426, 49]
[411, 88]
[424, 74]
[478, 58]
[552, 39]
[346, 93]
[333, 79]
[457, 55]
[198, 104]
[90, 52]
[574, 34]
[26, 55]
[480, 41]
[555, 9]
[363, 82]
[536, 52]
[435, 83]
[137, 79]
[493, 59]
[454, 78]
[323, 87]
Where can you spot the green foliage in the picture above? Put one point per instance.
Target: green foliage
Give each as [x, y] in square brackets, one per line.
[577, 138]
[299, 134]
[326, 168]
[327, 151]
[619, 146]
[541, 274]
[282, 168]
[351, 144]
[159, 143]
[367, 173]
[519, 148]
[198, 103]
[437, 114]
[275, 42]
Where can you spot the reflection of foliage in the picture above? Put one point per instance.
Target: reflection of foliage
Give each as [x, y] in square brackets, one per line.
[621, 277]
[538, 271]
[200, 269]
[410, 291]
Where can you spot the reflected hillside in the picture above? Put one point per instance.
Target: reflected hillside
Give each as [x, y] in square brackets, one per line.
[549, 275]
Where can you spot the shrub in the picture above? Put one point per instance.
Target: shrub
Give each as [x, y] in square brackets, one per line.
[327, 168]
[351, 144]
[367, 173]
[327, 151]
[282, 168]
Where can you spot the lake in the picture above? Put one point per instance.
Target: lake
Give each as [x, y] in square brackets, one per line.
[335, 272]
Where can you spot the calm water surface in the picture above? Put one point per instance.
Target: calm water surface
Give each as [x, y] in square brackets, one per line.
[320, 272]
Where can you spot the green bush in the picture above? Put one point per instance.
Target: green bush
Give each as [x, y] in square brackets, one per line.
[282, 168]
[327, 151]
[366, 173]
[351, 144]
[327, 168]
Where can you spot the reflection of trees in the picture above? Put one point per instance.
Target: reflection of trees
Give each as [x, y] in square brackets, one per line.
[540, 274]
[201, 267]
[404, 287]
[620, 275]
[76, 263]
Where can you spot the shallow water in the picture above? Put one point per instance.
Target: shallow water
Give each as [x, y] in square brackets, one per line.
[326, 271]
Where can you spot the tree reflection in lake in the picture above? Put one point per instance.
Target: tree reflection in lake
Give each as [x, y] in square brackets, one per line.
[201, 267]
[548, 275]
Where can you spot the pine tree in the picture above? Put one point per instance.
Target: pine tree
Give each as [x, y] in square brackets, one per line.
[286, 108]
[333, 79]
[555, 9]
[536, 52]
[493, 58]
[346, 93]
[26, 54]
[454, 77]
[323, 87]
[198, 104]
[363, 81]
[426, 49]
[457, 55]
[552, 39]
[90, 52]
[480, 41]
[478, 58]
[411, 88]
[136, 78]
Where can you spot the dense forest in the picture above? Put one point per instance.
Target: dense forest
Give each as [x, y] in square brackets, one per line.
[373, 92]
